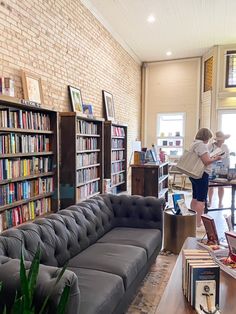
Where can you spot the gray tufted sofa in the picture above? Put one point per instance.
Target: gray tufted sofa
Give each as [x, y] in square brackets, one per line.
[109, 242]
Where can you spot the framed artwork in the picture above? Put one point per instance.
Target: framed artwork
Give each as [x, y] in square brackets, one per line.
[76, 99]
[231, 239]
[87, 109]
[109, 105]
[32, 87]
[209, 224]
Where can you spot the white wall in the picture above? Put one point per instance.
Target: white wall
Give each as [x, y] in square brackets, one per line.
[171, 86]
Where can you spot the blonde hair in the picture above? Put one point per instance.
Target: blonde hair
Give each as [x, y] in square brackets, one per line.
[204, 134]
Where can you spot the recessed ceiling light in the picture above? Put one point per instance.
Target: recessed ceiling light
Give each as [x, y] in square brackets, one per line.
[168, 53]
[151, 18]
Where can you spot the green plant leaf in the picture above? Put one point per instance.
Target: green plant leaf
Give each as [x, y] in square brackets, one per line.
[61, 308]
[61, 273]
[18, 306]
[33, 275]
[24, 281]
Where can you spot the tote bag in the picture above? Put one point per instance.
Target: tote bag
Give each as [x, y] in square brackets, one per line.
[191, 164]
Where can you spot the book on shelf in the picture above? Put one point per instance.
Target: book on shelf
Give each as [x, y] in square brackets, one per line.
[29, 165]
[175, 198]
[190, 254]
[206, 296]
[139, 158]
[199, 271]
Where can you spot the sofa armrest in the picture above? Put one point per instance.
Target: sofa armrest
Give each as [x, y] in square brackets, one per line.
[137, 211]
[9, 276]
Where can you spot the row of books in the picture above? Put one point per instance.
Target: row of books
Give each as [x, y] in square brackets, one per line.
[117, 166]
[17, 215]
[24, 119]
[16, 191]
[87, 189]
[117, 131]
[84, 127]
[117, 155]
[14, 168]
[86, 159]
[117, 178]
[19, 143]
[200, 280]
[117, 143]
[87, 174]
[86, 143]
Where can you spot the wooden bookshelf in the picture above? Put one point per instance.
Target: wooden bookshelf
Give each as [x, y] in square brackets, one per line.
[29, 185]
[115, 155]
[81, 158]
[150, 180]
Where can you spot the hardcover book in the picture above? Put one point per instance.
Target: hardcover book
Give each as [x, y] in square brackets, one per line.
[204, 273]
[205, 295]
[175, 198]
[231, 239]
[210, 227]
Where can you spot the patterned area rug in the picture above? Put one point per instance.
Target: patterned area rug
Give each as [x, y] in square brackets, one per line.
[152, 288]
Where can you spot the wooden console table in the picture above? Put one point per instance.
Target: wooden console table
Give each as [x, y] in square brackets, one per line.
[173, 300]
[150, 179]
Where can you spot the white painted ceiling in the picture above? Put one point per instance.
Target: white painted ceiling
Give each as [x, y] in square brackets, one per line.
[188, 28]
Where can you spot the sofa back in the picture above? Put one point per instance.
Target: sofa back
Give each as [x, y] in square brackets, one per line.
[135, 211]
[60, 236]
[63, 235]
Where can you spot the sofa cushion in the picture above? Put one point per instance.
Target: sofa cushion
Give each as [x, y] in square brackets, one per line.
[125, 261]
[100, 291]
[149, 239]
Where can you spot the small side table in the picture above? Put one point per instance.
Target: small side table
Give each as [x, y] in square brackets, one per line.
[177, 228]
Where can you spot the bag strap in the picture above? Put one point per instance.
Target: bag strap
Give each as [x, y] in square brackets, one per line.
[193, 146]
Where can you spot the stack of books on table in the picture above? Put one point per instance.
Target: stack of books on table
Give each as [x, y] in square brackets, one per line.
[200, 280]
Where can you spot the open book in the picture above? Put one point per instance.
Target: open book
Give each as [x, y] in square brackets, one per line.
[217, 152]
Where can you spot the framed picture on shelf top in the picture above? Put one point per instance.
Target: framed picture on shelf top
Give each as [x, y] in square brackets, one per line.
[32, 87]
[88, 109]
[108, 105]
[76, 99]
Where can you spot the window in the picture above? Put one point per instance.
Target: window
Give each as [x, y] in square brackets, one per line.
[208, 70]
[230, 69]
[226, 124]
[170, 132]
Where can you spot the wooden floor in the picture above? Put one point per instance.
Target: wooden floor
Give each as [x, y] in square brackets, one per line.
[218, 215]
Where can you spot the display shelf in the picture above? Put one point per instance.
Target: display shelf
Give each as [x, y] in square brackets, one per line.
[171, 145]
[115, 158]
[28, 162]
[150, 180]
[81, 158]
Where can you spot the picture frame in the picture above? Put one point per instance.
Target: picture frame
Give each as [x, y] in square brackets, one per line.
[231, 239]
[75, 99]
[32, 87]
[210, 226]
[108, 105]
[87, 109]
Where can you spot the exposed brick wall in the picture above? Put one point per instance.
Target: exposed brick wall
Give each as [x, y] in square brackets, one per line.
[63, 43]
